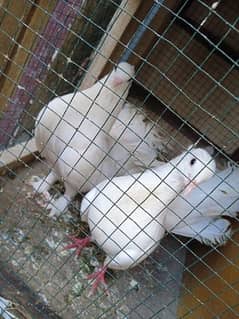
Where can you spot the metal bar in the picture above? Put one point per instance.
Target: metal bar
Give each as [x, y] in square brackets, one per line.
[141, 29]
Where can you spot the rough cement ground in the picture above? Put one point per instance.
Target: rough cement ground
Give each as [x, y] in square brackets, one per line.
[31, 244]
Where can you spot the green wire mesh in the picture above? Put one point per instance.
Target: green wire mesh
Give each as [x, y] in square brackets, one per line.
[191, 69]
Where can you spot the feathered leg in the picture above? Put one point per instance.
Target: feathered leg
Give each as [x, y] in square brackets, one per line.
[42, 185]
[60, 205]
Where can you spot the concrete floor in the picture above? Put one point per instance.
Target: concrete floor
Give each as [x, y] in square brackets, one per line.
[31, 246]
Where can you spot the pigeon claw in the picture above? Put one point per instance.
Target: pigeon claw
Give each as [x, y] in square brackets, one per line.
[78, 244]
[98, 278]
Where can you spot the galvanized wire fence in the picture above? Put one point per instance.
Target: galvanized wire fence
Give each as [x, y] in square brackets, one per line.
[184, 91]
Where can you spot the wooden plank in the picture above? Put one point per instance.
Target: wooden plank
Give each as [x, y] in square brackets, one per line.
[13, 18]
[27, 302]
[17, 155]
[65, 70]
[129, 32]
[193, 92]
[117, 26]
[15, 91]
[211, 282]
[35, 70]
[23, 49]
[158, 24]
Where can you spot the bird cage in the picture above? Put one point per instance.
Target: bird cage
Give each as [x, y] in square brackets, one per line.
[185, 86]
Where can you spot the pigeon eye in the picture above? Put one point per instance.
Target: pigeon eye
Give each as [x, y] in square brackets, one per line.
[192, 162]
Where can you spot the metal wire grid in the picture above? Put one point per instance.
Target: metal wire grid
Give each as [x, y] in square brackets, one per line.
[59, 76]
[21, 21]
[149, 67]
[180, 92]
[81, 39]
[154, 315]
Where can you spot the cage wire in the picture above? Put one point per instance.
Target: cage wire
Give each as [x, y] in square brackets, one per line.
[184, 91]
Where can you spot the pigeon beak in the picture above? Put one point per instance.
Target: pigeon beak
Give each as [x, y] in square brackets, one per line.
[117, 81]
[190, 187]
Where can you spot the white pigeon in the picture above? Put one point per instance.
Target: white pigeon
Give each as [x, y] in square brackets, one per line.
[198, 214]
[126, 215]
[72, 134]
[136, 142]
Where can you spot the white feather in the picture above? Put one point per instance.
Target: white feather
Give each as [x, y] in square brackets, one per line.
[126, 214]
[216, 197]
[132, 145]
[72, 134]
[207, 230]
[137, 142]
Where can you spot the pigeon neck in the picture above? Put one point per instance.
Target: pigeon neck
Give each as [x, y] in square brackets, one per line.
[111, 101]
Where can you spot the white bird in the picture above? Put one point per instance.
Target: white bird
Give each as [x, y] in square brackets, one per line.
[72, 131]
[136, 142]
[199, 213]
[126, 215]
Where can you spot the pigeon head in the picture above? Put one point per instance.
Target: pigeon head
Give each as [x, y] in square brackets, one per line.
[197, 165]
[123, 73]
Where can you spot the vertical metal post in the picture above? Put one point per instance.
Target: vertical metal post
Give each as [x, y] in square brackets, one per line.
[141, 30]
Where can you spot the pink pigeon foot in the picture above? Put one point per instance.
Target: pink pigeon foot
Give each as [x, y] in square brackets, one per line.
[78, 244]
[99, 278]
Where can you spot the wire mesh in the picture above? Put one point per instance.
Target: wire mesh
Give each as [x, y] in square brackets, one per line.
[184, 91]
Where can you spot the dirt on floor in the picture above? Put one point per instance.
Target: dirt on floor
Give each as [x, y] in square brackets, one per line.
[32, 245]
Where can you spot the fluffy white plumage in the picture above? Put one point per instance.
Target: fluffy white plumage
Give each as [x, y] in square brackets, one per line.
[126, 215]
[136, 142]
[199, 213]
[133, 144]
[72, 134]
